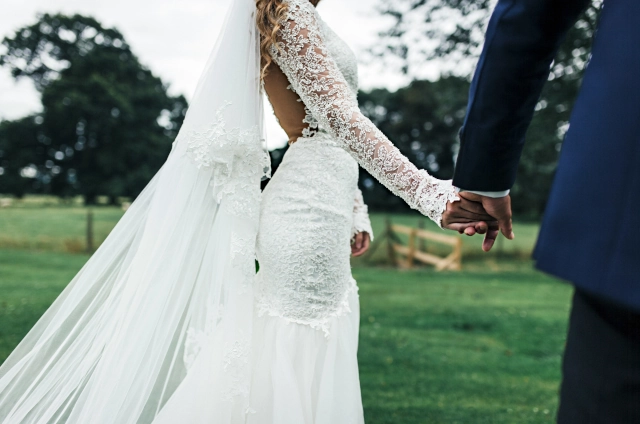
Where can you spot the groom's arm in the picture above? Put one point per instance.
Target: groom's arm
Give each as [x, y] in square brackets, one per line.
[521, 41]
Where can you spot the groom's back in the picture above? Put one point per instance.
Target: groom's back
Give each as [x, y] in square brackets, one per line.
[589, 232]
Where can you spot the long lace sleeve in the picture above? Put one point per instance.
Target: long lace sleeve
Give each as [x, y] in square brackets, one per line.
[361, 222]
[303, 57]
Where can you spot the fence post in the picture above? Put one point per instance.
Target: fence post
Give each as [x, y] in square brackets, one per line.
[412, 249]
[390, 251]
[90, 231]
[458, 250]
[423, 242]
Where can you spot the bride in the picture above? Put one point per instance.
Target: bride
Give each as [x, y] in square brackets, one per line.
[168, 322]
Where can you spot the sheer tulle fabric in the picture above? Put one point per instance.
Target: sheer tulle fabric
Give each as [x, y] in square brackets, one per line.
[172, 283]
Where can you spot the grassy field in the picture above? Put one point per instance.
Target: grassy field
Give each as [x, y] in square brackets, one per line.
[479, 346]
[54, 228]
[473, 347]
[57, 228]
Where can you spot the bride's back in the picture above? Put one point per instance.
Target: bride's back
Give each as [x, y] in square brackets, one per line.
[288, 108]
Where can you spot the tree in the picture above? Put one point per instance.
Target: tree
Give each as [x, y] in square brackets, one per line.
[18, 169]
[55, 42]
[107, 121]
[451, 32]
[422, 31]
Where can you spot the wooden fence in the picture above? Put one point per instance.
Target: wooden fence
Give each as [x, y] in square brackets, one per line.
[406, 255]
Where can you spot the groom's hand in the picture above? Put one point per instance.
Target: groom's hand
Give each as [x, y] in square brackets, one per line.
[468, 217]
[500, 209]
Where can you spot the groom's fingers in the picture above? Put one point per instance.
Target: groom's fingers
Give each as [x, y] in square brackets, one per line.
[472, 197]
[500, 209]
[473, 207]
[460, 227]
[464, 211]
[457, 212]
[490, 239]
[506, 224]
[481, 227]
[469, 228]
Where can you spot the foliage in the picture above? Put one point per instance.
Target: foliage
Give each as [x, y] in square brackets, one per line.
[452, 33]
[422, 31]
[19, 147]
[474, 347]
[107, 121]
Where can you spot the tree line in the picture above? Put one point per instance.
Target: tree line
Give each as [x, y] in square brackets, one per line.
[107, 123]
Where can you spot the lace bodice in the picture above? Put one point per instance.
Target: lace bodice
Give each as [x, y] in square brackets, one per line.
[323, 72]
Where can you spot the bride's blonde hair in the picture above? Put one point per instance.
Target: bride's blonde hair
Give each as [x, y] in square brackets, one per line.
[269, 15]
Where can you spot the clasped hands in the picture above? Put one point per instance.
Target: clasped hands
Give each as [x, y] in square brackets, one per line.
[475, 214]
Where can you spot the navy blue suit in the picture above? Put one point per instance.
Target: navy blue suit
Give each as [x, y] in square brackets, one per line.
[590, 233]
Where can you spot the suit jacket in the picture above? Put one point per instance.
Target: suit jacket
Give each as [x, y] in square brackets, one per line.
[589, 234]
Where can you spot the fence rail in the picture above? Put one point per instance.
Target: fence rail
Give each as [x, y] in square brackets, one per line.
[415, 250]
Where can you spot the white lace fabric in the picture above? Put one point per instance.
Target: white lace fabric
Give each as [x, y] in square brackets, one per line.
[361, 221]
[306, 223]
[303, 56]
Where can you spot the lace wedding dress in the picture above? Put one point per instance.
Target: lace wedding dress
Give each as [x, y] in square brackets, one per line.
[306, 333]
[168, 323]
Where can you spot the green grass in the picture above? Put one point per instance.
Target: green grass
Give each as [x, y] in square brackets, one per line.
[54, 228]
[479, 346]
[29, 282]
[62, 228]
[469, 347]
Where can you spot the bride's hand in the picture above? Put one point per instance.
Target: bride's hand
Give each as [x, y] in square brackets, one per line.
[467, 217]
[360, 244]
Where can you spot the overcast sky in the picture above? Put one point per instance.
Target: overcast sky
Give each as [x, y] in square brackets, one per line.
[172, 38]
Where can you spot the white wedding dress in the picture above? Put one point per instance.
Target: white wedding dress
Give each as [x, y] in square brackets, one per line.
[196, 337]
[304, 349]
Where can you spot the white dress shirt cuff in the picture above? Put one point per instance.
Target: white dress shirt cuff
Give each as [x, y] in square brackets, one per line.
[494, 194]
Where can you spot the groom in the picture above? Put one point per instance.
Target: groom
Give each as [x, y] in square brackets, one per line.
[591, 231]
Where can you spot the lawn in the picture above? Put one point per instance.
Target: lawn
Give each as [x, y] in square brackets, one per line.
[475, 347]
[478, 346]
[54, 228]
[60, 228]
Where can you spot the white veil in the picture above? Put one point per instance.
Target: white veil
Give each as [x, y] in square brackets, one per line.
[163, 310]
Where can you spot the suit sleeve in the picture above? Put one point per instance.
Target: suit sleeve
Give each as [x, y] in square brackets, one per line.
[522, 39]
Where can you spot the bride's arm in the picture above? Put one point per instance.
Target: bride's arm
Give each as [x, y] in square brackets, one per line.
[302, 55]
[361, 221]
